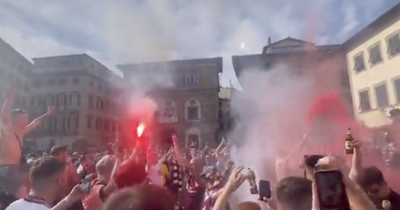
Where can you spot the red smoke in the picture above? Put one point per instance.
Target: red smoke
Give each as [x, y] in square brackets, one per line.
[328, 105]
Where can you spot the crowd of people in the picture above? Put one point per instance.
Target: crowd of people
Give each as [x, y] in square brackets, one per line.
[191, 178]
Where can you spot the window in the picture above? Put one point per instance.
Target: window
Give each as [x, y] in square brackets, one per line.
[41, 101]
[75, 80]
[365, 104]
[50, 100]
[99, 124]
[54, 125]
[99, 101]
[393, 43]
[381, 96]
[65, 100]
[68, 123]
[107, 105]
[359, 64]
[75, 99]
[375, 54]
[193, 137]
[74, 122]
[89, 121]
[192, 110]
[106, 125]
[191, 79]
[168, 113]
[396, 84]
[34, 101]
[60, 124]
[90, 101]
[77, 115]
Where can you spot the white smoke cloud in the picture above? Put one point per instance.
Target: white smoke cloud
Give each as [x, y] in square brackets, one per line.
[271, 111]
[141, 106]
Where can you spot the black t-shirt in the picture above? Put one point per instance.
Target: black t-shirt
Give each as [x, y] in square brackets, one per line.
[394, 199]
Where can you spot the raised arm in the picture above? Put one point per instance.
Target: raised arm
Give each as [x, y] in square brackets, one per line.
[356, 166]
[178, 153]
[220, 147]
[38, 121]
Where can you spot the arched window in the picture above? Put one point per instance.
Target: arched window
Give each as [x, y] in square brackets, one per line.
[167, 113]
[193, 137]
[193, 110]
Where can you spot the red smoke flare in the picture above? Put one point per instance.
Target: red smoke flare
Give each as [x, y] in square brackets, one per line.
[140, 129]
[328, 105]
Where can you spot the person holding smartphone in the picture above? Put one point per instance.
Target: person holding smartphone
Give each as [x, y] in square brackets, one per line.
[357, 198]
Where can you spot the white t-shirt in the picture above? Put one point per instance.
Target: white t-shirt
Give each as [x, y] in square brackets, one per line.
[22, 204]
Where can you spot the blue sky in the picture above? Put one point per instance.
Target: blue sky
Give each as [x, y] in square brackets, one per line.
[125, 31]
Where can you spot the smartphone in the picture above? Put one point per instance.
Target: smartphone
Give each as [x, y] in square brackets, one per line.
[264, 189]
[331, 190]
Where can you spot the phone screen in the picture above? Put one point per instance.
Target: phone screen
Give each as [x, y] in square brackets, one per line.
[264, 189]
[331, 190]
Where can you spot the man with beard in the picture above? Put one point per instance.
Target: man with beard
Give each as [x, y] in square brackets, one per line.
[14, 126]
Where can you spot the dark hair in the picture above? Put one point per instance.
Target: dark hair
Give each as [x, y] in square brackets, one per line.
[294, 193]
[58, 149]
[369, 176]
[141, 197]
[310, 161]
[82, 159]
[6, 199]
[44, 168]
[16, 112]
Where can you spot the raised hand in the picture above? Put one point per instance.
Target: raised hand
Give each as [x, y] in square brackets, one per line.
[51, 110]
[174, 138]
[235, 179]
[356, 144]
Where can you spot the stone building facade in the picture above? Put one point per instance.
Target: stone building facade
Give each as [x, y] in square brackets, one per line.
[85, 93]
[188, 106]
